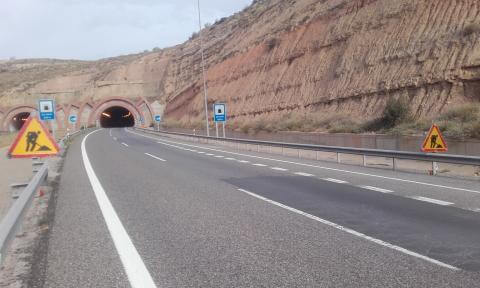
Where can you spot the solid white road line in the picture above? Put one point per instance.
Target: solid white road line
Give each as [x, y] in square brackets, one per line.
[377, 189]
[318, 167]
[304, 174]
[335, 180]
[155, 157]
[260, 165]
[434, 201]
[279, 169]
[136, 271]
[352, 232]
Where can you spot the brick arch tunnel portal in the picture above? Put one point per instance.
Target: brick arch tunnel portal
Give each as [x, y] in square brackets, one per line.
[116, 117]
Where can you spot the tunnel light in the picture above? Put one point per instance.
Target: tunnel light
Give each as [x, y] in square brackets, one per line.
[128, 115]
[106, 115]
[14, 118]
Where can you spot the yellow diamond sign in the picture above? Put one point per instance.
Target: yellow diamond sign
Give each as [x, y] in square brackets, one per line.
[34, 140]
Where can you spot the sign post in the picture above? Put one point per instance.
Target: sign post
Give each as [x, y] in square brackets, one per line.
[220, 115]
[46, 108]
[158, 119]
[434, 143]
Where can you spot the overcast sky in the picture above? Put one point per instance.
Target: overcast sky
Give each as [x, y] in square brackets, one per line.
[93, 29]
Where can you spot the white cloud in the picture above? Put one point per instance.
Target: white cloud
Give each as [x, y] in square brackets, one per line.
[92, 29]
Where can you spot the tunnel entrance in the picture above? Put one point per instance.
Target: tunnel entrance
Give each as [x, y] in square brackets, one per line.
[116, 117]
[18, 120]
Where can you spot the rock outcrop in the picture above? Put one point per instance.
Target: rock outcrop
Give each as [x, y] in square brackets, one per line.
[286, 56]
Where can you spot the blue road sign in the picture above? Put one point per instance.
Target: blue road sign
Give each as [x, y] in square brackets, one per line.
[72, 119]
[46, 109]
[220, 112]
[158, 118]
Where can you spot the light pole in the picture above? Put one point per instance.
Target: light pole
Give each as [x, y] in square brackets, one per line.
[203, 67]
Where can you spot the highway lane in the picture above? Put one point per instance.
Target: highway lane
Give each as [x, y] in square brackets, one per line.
[193, 227]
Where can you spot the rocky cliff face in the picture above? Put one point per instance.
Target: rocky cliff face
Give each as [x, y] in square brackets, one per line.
[307, 57]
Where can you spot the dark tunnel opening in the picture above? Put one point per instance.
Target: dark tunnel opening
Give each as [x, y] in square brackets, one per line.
[116, 117]
[19, 119]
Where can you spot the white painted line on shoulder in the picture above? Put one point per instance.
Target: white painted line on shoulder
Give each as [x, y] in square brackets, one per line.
[316, 166]
[335, 180]
[304, 174]
[279, 169]
[377, 189]
[135, 268]
[260, 165]
[352, 232]
[155, 157]
[125, 144]
[434, 201]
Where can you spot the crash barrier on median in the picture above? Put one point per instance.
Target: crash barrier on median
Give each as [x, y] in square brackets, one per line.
[430, 163]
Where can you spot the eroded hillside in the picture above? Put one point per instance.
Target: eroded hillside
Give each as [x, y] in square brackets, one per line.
[311, 58]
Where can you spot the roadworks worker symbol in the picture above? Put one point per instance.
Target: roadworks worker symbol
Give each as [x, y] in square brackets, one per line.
[434, 141]
[34, 140]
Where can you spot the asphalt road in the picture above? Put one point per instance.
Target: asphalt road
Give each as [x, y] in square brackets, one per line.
[158, 212]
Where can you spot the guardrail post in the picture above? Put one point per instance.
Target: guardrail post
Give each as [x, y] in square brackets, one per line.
[434, 168]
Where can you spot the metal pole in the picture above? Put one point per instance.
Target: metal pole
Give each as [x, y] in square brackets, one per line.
[203, 67]
[216, 128]
[224, 130]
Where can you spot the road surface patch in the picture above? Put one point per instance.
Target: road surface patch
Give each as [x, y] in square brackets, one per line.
[352, 232]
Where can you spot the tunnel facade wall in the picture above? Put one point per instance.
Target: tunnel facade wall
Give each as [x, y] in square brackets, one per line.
[87, 113]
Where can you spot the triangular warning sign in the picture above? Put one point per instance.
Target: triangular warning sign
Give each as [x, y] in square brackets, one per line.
[33, 140]
[434, 141]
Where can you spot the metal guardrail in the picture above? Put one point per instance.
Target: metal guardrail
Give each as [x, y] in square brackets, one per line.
[11, 222]
[404, 155]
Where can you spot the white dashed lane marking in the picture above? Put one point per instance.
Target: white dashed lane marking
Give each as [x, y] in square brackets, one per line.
[124, 144]
[279, 169]
[259, 165]
[304, 174]
[335, 180]
[377, 189]
[243, 161]
[155, 157]
[434, 201]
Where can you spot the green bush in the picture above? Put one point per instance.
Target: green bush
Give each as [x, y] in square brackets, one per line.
[465, 113]
[396, 112]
